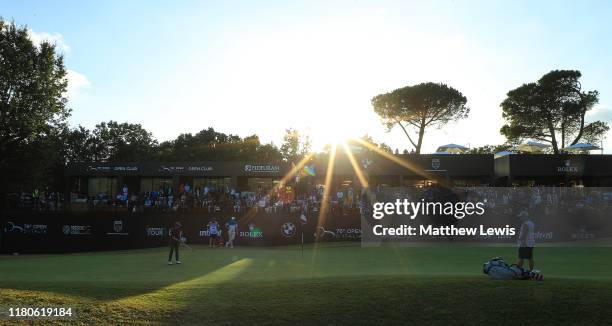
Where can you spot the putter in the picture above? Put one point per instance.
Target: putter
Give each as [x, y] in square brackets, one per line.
[184, 243]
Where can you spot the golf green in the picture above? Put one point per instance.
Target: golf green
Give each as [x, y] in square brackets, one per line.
[339, 283]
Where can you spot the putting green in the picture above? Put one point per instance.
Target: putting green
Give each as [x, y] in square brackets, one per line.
[330, 284]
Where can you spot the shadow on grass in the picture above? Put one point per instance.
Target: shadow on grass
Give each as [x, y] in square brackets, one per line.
[105, 276]
[276, 286]
[116, 276]
[398, 300]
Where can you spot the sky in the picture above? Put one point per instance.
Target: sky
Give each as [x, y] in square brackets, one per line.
[260, 67]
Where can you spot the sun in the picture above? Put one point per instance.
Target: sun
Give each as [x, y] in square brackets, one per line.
[335, 134]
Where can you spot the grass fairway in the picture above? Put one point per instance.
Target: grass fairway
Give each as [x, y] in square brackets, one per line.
[335, 284]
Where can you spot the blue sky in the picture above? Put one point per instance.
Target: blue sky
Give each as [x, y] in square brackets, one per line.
[263, 66]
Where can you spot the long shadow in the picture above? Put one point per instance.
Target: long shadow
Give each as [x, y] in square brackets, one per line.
[122, 283]
[390, 299]
[118, 276]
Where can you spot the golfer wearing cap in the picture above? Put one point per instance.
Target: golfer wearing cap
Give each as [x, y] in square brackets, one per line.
[231, 232]
[526, 240]
[176, 233]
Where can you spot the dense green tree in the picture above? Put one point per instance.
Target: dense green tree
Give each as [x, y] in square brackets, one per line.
[206, 145]
[211, 145]
[113, 141]
[268, 153]
[295, 146]
[552, 110]
[33, 110]
[251, 149]
[80, 145]
[414, 108]
[32, 90]
[38, 164]
[595, 132]
[489, 149]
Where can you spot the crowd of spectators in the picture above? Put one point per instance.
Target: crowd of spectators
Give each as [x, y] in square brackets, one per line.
[342, 199]
[284, 198]
[45, 200]
[214, 199]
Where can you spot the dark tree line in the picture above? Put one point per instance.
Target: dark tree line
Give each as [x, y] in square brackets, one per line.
[41, 161]
[113, 142]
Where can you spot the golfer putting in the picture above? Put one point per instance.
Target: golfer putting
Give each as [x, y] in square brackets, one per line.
[176, 234]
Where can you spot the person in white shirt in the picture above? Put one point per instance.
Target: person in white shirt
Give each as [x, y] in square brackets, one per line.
[232, 225]
[526, 240]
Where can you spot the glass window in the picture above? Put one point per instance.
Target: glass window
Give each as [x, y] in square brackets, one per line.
[156, 184]
[213, 184]
[262, 184]
[102, 187]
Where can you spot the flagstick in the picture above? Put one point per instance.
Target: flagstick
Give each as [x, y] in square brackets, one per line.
[302, 243]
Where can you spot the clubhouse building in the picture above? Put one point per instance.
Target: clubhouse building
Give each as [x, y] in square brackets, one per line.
[458, 170]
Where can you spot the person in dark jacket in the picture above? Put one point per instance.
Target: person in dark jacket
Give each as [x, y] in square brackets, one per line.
[176, 233]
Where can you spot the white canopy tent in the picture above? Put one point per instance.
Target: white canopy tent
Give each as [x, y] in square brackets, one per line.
[581, 148]
[503, 153]
[532, 147]
[451, 149]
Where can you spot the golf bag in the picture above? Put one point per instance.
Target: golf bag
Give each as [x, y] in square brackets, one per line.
[498, 269]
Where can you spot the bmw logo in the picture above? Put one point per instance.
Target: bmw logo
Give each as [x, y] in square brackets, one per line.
[288, 229]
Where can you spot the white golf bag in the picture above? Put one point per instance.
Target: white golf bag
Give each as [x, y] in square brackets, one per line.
[498, 269]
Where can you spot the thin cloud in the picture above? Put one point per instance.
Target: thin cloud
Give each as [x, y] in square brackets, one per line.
[55, 38]
[600, 112]
[76, 82]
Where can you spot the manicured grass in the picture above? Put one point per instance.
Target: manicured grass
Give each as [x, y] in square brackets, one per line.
[333, 284]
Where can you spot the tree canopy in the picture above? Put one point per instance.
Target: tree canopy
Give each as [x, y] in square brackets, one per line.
[414, 108]
[489, 149]
[295, 146]
[32, 90]
[33, 109]
[211, 145]
[552, 110]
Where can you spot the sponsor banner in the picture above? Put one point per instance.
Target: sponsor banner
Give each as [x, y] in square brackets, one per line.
[582, 234]
[156, 232]
[183, 168]
[435, 163]
[250, 168]
[252, 232]
[337, 233]
[348, 233]
[205, 232]
[288, 229]
[569, 167]
[118, 228]
[112, 168]
[561, 216]
[26, 228]
[77, 229]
